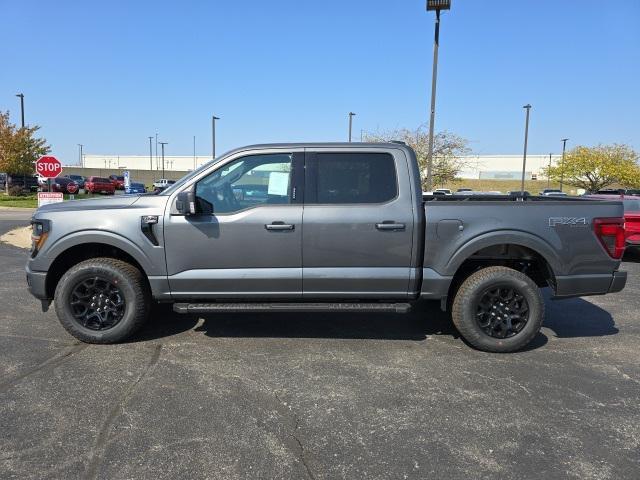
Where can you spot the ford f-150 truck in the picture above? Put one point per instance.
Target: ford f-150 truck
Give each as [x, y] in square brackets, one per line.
[321, 227]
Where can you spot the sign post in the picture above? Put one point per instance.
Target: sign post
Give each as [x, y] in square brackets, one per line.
[48, 167]
[127, 181]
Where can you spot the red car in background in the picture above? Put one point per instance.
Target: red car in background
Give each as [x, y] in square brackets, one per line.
[118, 181]
[631, 216]
[99, 185]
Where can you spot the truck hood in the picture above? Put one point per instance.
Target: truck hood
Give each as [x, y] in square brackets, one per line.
[107, 203]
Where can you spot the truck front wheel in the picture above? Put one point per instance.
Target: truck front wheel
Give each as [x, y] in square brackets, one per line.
[102, 300]
[498, 309]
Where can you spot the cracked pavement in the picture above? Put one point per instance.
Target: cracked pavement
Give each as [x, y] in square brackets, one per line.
[318, 396]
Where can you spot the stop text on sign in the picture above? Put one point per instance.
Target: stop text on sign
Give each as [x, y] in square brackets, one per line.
[48, 167]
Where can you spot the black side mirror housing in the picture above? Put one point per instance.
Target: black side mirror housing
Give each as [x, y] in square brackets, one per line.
[186, 203]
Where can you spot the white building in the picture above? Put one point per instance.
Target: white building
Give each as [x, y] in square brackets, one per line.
[499, 167]
[144, 162]
[506, 167]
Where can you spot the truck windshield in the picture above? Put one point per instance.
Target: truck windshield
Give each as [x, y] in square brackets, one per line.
[178, 184]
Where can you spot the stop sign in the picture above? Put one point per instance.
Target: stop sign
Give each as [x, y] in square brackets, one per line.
[48, 167]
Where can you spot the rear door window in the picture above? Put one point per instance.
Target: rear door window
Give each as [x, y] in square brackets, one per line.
[350, 178]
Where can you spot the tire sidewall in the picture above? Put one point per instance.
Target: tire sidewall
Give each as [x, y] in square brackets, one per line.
[84, 272]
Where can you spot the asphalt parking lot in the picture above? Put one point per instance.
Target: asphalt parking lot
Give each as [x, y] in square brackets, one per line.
[318, 396]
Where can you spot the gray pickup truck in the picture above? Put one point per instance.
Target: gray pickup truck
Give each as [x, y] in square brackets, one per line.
[321, 227]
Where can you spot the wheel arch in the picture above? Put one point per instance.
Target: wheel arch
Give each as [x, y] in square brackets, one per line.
[69, 253]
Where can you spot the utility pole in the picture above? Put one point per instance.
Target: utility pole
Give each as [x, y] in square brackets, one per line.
[527, 107]
[163, 144]
[21, 95]
[213, 135]
[351, 115]
[564, 148]
[150, 154]
[436, 5]
[80, 153]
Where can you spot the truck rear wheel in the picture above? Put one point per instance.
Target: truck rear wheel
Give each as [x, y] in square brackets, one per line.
[498, 309]
[102, 300]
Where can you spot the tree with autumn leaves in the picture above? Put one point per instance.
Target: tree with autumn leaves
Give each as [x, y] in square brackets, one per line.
[19, 147]
[594, 168]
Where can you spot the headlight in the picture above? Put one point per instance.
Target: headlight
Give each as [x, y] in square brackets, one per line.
[39, 233]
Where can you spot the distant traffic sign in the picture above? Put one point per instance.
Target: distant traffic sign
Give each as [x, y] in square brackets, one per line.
[48, 167]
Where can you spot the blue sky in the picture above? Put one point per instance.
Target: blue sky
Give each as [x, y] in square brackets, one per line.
[109, 74]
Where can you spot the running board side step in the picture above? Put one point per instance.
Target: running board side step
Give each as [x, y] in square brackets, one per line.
[290, 307]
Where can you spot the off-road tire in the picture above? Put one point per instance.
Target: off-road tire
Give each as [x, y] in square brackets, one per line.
[130, 282]
[467, 298]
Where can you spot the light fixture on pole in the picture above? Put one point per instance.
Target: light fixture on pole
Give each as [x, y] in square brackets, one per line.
[435, 5]
[527, 107]
[163, 144]
[80, 154]
[150, 154]
[21, 95]
[564, 148]
[351, 115]
[213, 135]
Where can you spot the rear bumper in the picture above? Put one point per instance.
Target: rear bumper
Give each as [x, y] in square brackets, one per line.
[584, 285]
[36, 281]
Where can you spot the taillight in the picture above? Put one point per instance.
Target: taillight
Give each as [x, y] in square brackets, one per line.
[610, 232]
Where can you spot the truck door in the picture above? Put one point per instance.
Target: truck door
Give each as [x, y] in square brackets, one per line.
[246, 239]
[358, 224]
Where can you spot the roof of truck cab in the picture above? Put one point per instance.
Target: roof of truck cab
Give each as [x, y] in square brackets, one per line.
[324, 145]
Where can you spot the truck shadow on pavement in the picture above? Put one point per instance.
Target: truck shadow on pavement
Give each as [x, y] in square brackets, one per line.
[567, 319]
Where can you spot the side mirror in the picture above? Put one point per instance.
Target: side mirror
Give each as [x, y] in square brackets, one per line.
[186, 203]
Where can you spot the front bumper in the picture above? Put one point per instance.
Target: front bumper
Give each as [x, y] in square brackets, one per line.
[37, 283]
[584, 285]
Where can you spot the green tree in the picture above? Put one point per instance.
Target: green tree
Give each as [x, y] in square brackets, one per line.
[19, 147]
[594, 168]
[449, 151]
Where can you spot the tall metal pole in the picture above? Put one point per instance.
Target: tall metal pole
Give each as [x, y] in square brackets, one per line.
[21, 95]
[432, 116]
[526, 138]
[213, 135]
[150, 154]
[351, 115]
[156, 150]
[564, 148]
[163, 144]
[548, 177]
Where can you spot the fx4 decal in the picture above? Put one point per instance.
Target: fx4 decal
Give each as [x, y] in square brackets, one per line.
[571, 221]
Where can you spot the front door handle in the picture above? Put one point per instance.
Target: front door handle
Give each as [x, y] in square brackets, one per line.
[279, 226]
[390, 226]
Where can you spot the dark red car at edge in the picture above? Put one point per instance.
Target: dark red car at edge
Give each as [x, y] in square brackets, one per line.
[99, 185]
[631, 216]
[118, 181]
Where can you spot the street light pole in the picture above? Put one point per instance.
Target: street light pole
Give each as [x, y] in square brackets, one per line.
[81, 162]
[213, 135]
[163, 144]
[564, 148]
[351, 115]
[436, 5]
[156, 150]
[21, 95]
[150, 154]
[548, 177]
[526, 138]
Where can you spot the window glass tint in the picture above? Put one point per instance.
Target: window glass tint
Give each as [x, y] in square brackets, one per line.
[355, 178]
[244, 183]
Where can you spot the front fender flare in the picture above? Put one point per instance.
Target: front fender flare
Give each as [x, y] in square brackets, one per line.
[100, 236]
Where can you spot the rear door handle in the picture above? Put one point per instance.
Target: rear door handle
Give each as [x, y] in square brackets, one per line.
[279, 226]
[390, 226]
